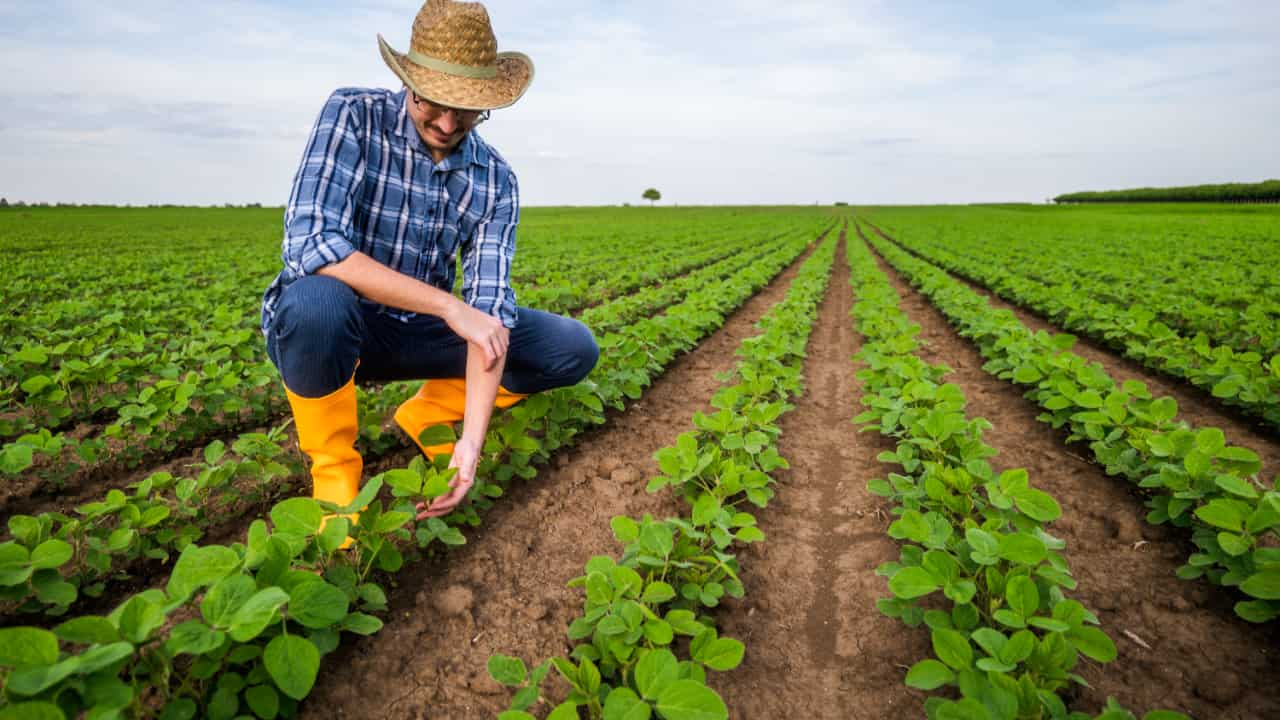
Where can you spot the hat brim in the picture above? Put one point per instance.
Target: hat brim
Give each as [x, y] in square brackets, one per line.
[515, 73]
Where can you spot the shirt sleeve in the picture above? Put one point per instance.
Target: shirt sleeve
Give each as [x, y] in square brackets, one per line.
[487, 256]
[317, 221]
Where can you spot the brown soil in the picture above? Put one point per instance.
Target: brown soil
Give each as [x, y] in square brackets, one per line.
[32, 493]
[504, 592]
[1198, 658]
[817, 647]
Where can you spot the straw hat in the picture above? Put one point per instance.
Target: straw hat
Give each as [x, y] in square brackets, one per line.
[453, 59]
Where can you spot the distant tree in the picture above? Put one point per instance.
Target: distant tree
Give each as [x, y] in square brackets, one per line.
[841, 203]
[652, 195]
[4, 202]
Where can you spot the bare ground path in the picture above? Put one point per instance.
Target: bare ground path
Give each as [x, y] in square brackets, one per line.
[816, 645]
[1200, 658]
[505, 590]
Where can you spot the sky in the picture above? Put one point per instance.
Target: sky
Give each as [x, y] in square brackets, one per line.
[712, 102]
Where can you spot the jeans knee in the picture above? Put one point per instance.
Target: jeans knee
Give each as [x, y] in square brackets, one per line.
[583, 351]
[316, 334]
[317, 310]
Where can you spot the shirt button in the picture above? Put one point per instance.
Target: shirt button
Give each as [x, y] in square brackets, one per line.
[431, 211]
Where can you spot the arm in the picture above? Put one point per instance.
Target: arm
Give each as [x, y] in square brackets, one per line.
[318, 233]
[486, 264]
[371, 279]
[482, 388]
[317, 220]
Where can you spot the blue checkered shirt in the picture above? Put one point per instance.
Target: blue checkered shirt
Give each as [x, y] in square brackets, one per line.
[368, 183]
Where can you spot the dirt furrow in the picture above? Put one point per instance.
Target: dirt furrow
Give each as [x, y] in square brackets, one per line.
[1180, 645]
[505, 590]
[816, 645]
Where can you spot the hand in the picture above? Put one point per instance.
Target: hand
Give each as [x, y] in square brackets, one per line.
[466, 454]
[481, 330]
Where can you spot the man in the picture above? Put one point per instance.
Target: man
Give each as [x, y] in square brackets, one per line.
[392, 188]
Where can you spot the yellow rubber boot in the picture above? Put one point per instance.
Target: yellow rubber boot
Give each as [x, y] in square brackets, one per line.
[440, 402]
[327, 430]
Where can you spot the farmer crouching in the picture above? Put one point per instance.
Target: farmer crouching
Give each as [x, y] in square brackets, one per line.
[393, 188]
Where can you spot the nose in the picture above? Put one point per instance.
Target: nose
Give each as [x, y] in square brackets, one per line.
[448, 121]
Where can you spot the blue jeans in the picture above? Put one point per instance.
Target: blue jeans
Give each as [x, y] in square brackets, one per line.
[321, 328]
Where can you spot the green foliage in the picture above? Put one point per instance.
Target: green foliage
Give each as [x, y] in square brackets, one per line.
[1192, 478]
[1265, 191]
[639, 608]
[977, 565]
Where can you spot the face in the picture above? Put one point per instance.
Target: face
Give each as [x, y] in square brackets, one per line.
[441, 128]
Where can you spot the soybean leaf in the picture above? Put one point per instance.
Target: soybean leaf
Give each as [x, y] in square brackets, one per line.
[193, 638]
[292, 662]
[1037, 505]
[564, 711]
[51, 554]
[263, 700]
[297, 516]
[623, 704]
[1093, 643]
[35, 710]
[912, 582]
[23, 646]
[225, 598]
[656, 670]
[199, 567]
[139, 618]
[1264, 585]
[256, 613]
[509, 671]
[87, 630]
[691, 700]
[1022, 549]
[361, 624]
[721, 654]
[952, 648]
[929, 675]
[317, 605]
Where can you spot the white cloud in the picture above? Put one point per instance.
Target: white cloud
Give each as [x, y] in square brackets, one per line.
[720, 101]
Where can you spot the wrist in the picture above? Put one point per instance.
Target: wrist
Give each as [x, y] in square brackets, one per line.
[450, 312]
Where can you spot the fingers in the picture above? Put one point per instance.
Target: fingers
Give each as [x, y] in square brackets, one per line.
[445, 504]
[495, 344]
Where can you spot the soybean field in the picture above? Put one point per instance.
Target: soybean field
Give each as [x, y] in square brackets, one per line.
[996, 462]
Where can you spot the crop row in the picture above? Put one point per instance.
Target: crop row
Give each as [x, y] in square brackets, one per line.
[672, 573]
[1244, 378]
[1193, 276]
[1192, 477]
[263, 612]
[70, 360]
[978, 565]
[163, 513]
[233, 386]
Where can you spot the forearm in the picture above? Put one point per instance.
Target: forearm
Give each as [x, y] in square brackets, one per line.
[379, 283]
[482, 389]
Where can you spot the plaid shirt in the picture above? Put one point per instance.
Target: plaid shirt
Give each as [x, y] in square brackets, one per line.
[368, 183]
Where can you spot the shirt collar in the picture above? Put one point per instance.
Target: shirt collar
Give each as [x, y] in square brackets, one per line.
[471, 151]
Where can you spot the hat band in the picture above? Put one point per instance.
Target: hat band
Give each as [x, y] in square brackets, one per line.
[467, 71]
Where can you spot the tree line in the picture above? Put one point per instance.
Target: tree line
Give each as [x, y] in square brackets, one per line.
[1266, 191]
